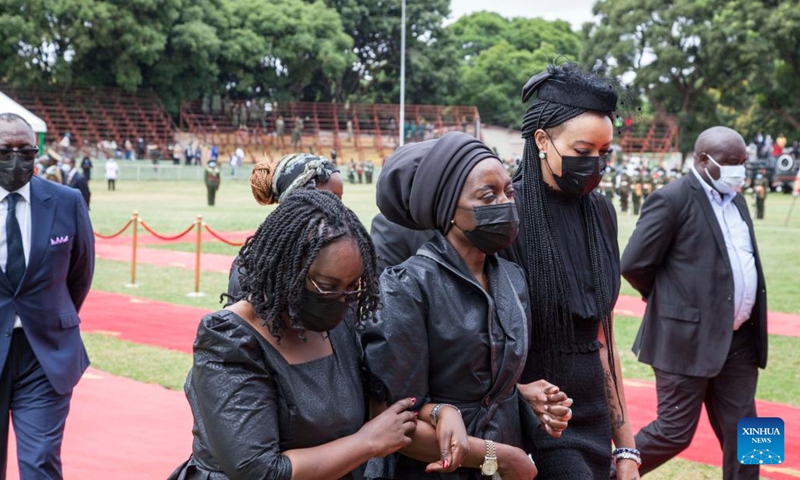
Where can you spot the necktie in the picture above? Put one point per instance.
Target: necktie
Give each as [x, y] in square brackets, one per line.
[15, 264]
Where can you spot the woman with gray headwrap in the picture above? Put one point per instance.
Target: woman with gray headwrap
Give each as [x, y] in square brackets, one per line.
[271, 182]
[453, 330]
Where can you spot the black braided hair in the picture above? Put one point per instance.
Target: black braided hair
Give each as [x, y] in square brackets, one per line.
[552, 328]
[276, 259]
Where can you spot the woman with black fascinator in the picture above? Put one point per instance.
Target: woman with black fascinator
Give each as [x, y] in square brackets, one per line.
[568, 247]
[275, 387]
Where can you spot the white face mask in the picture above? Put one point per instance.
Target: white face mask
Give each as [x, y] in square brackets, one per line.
[731, 177]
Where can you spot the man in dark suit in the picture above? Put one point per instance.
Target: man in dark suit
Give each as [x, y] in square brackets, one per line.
[694, 259]
[47, 257]
[75, 179]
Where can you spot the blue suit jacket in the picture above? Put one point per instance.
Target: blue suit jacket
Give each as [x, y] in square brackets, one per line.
[56, 281]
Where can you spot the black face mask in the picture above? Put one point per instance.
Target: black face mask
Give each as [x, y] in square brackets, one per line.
[496, 226]
[579, 175]
[320, 314]
[15, 173]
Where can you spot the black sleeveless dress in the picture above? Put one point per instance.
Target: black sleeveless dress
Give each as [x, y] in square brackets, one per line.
[584, 450]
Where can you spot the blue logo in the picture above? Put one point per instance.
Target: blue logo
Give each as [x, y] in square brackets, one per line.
[760, 441]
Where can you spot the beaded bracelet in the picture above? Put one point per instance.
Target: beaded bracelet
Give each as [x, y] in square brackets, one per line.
[627, 454]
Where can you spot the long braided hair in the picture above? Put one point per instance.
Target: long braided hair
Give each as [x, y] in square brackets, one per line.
[277, 257]
[552, 329]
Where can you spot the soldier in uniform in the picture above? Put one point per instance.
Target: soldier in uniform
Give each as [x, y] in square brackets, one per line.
[212, 179]
[624, 189]
[607, 184]
[369, 170]
[660, 179]
[760, 189]
[648, 184]
[638, 190]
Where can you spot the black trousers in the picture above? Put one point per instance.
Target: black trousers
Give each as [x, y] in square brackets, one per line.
[728, 397]
[39, 413]
[112, 184]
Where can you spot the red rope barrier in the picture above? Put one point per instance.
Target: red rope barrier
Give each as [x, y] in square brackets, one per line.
[117, 234]
[218, 237]
[163, 237]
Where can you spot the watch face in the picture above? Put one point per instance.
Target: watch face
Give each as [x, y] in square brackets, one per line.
[489, 467]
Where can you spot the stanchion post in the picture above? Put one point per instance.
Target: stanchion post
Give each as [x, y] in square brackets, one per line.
[135, 221]
[198, 253]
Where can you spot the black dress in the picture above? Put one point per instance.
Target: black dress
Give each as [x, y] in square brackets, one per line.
[249, 404]
[441, 337]
[584, 450]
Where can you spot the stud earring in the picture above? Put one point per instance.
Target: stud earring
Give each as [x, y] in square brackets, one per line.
[542, 155]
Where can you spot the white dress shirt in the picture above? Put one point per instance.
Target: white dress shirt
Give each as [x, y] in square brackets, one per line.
[740, 251]
[23, 211]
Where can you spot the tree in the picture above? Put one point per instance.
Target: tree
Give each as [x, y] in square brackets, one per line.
[278, 48]
[777, 93]
[679, 50]
[499, 55]
[375, 28]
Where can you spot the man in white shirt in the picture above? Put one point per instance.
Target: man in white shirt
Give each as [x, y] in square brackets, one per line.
[694, 259]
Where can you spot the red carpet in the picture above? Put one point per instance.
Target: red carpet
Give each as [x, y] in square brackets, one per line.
[141, 320]
[173, 326]
[123, 430]
[119, 249]
[779, 323]
[641, 399]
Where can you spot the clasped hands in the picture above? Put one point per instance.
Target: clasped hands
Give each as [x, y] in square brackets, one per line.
[550, 404]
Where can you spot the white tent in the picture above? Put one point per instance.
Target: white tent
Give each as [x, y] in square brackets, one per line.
[9, 105]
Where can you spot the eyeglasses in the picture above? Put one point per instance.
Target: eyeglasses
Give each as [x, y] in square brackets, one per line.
[349, 297]
[27, 153]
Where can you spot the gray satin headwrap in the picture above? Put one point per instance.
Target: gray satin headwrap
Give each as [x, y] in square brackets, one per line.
[420, 183]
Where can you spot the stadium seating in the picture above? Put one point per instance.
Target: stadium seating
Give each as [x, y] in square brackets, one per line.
[357, 131]
[658, 137]
[94, 115]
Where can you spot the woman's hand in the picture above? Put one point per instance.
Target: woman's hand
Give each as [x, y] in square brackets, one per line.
[627, 469]
[453, 441]
[550, 404]
[514, 464]
[389, 431]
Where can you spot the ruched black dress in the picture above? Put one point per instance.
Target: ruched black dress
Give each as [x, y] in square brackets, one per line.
[249, 404]
[442, 338]
[584, 450]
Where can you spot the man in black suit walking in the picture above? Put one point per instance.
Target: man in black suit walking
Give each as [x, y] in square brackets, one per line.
[75, 179]
[694, 259]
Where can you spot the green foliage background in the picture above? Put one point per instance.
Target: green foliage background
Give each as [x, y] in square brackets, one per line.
[734, 62]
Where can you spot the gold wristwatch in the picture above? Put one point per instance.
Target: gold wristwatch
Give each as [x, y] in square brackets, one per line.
[489, 465]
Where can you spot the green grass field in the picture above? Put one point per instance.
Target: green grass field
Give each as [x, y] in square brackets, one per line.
[171, 206]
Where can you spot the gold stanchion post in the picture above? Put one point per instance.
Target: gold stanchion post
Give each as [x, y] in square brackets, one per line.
[135, 221]
[198, 253]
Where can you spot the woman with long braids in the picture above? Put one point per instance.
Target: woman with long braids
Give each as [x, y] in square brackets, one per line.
[453, 330]
[275, 386]
[271, 182]
[568, 246]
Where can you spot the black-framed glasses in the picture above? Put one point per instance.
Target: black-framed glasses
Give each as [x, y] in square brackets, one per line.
[27, 153]
[349, 297]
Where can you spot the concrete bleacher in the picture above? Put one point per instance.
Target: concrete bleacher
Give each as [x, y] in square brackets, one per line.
[357, 131]
[94, 115]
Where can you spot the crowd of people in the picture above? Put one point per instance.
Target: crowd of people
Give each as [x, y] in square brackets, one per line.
[764, 146]
[469, 334]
